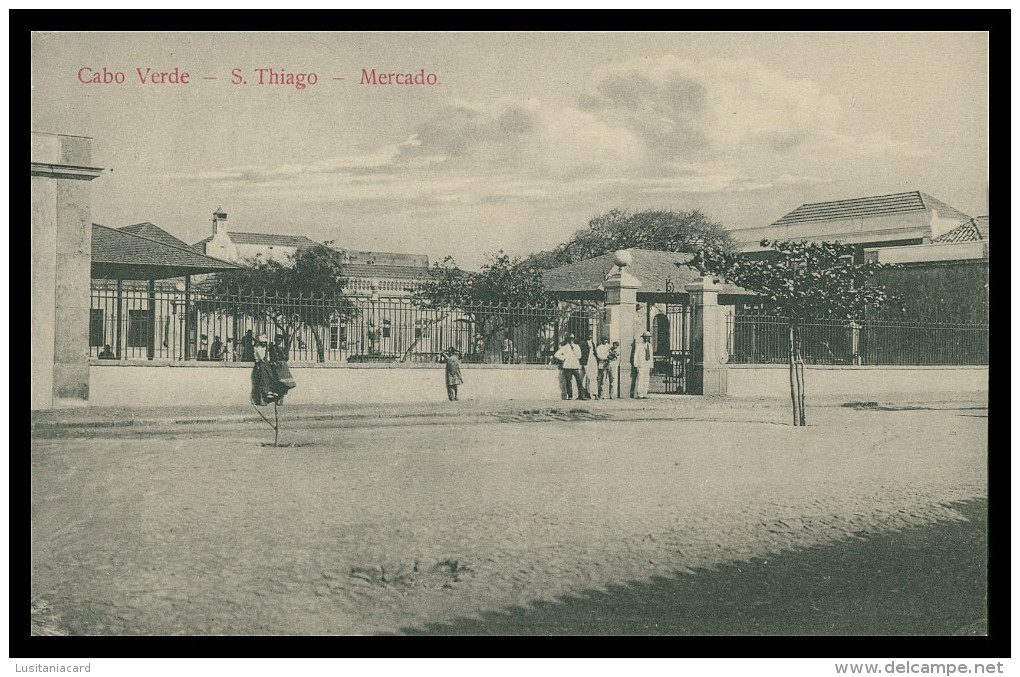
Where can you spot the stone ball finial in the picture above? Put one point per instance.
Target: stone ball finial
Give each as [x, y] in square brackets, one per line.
[623, 258]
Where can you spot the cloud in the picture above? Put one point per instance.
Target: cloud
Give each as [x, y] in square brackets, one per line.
[652, 126]
[525, 139]
[725, 109]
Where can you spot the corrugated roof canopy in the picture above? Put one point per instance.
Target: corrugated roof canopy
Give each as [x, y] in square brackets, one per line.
[123, 255]
[653, 268]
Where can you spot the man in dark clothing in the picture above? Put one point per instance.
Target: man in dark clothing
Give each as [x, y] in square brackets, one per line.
[248, 347]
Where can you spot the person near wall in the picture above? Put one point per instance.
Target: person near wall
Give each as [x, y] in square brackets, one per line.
[277, 352]
[589, 368]
[478, 349]
[247, 347]
[641, 360]
[216, 349]
[508, 350]
[569, 359]
[453, 375]
[608, 358]
[203, 348]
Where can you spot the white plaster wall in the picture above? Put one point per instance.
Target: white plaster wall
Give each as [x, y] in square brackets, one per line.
[150, 385]
[863, 382]
[43, 272]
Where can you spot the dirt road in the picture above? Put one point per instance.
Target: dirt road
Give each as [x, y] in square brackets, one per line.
[401, 529]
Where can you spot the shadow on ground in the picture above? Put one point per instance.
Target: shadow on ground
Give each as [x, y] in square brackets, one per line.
[921, 581]
[874, 406]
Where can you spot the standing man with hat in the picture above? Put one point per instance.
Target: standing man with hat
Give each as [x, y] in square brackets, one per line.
[569, 359]
[641, 358]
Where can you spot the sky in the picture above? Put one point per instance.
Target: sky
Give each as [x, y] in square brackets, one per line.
[522, 138]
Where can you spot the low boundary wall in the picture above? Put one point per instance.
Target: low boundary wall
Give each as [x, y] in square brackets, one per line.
[865, 383]
[147, 385]
[170, 384]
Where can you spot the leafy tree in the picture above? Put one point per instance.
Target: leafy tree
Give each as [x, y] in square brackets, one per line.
[305, 290]
[683, 231]
[484, 296]
[801, 281]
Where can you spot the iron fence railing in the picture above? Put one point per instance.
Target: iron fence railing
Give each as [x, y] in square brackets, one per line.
[132, 322]
[757, 339]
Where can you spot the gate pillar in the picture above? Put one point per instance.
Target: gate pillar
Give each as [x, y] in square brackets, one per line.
[621, 298]
[708, 339]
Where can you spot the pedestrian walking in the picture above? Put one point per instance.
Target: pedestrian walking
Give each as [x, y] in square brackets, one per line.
[569, 359]
[271, 378]
[608, 357]
[641, 360]
[453, 375]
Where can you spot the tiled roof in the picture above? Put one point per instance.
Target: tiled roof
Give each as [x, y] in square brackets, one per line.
[154, 232]
[297, 241]
[862, 207]
[972, 231]
[982, 225]
[113, 247]
[651, 267]
[362, 270]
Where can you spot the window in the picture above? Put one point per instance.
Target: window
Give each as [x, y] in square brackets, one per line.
[386, 325]
[417, 329]
[337, 337]
[97, 335]
[138, 328]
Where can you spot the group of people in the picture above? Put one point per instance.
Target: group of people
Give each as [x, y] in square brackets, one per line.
[217, 352]
[245, 350]
[507, 352]
[590, 367]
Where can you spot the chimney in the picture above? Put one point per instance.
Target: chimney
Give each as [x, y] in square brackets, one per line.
[219, 216]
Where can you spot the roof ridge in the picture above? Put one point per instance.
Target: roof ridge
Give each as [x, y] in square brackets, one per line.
[856, 199]
[187, 249]
[244, 232]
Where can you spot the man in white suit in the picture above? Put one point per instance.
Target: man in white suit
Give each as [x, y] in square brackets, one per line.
[569, 359]
[641, 358]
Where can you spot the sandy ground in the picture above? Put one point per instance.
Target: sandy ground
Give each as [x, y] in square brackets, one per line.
[394, 529]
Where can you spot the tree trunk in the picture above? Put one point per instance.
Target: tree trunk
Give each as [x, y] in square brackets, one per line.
[320, 353]
[426, 328]
[799, 361]
[793, 377]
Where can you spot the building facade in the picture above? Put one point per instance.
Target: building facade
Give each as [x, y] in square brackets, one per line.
[941, 254]
[899, 219]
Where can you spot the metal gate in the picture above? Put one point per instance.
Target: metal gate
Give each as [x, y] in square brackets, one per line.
[671, 339]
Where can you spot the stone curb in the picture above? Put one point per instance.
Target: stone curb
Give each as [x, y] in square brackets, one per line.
[656, 410]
